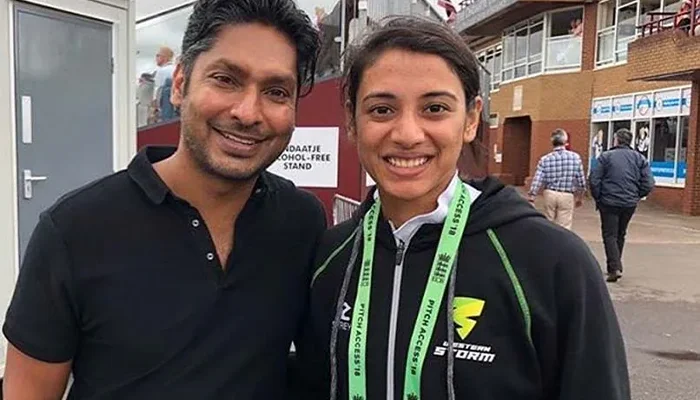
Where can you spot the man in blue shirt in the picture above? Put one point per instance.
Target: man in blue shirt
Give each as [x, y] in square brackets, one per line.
[560, 174]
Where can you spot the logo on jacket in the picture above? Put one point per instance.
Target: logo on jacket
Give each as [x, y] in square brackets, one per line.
[465, 311]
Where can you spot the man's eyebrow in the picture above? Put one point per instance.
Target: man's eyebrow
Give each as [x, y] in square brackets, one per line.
[281, 79]
[276, 77]
[228, 65]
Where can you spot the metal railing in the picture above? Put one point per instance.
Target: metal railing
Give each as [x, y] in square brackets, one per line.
[343, 208]
[663, 21]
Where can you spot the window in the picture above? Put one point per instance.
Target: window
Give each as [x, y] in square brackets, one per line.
[682, 166]
[492, 58]
[663, 147]
[535, 46]
[565, 39]
[599, 141]
[550, 41]
[618, 21]
[607, 11]
[493, 120]
[660, 131]
[626, 29]
[642, 137]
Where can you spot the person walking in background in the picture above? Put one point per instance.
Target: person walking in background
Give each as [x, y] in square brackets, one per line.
[163, 77]
[144, 97]
[560, 174]
[620, 179]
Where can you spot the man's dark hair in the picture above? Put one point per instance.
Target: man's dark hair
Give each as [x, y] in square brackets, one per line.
[210, 16]
[624, 137]
[559, 137]
[421, 36]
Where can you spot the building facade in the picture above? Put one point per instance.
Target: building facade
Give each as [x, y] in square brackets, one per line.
[590, 67]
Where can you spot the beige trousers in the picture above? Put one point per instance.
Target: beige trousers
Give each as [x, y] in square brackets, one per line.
[559, 208]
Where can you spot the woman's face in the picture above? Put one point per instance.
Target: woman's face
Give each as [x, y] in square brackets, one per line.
[410, 123]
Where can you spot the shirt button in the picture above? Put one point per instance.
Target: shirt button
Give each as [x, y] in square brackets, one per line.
[210, 256]
[195, 223]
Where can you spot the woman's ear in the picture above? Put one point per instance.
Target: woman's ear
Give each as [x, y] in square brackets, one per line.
[473, 119]
[350, 122]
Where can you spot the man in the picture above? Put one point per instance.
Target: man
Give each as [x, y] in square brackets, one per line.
[183, 277]
[620, 179]
[561, 175]
[163, 75]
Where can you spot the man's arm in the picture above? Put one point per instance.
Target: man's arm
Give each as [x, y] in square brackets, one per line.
[27, 378]
[596, 178]
[41, 323]
[580, 180]
[646, 179]
[593, 363]
[537, 181]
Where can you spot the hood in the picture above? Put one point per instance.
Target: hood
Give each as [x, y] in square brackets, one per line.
[496, 206]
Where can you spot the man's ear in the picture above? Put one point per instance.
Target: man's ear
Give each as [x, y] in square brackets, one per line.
[473, 118]
[178, 93]
[350, 126]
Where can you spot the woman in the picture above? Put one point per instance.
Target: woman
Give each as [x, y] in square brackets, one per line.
[441, 289]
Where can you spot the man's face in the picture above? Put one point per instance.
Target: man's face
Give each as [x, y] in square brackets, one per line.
[160, 59]
[238, 111]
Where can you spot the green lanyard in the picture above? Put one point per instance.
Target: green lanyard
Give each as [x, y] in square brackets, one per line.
[423, 328]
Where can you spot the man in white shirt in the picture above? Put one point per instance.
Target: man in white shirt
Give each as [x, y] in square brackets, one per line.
[165, 69]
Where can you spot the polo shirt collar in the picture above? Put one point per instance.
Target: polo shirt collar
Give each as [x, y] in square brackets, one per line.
[142, 172]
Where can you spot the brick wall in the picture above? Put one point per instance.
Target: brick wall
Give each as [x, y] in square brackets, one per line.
[691, 202]
[590, 15]
[662, 54]
[668, 198]
[612, 81]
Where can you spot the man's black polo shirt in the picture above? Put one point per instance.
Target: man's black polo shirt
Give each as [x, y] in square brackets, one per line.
[123, 278]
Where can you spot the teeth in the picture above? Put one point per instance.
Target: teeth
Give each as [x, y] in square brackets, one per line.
[407, 162]
[238, 139]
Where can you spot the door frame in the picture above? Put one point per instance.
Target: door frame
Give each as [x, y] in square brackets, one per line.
[121, 15]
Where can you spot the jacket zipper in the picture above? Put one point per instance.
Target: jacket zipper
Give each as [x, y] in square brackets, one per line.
[393, 319]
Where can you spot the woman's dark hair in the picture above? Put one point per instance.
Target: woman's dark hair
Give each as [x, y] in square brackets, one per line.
[210, 16]
[421, 36]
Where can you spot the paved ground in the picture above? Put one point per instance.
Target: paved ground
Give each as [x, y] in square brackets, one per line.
[657, 300]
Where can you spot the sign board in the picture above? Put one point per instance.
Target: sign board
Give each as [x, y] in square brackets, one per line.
[311, 158]
[643, 105]
[518, 98]
[623, 107]
[685, 101]
[601, 110]
[667, 103]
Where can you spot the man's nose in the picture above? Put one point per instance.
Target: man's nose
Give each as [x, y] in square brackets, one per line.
[247, 110]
